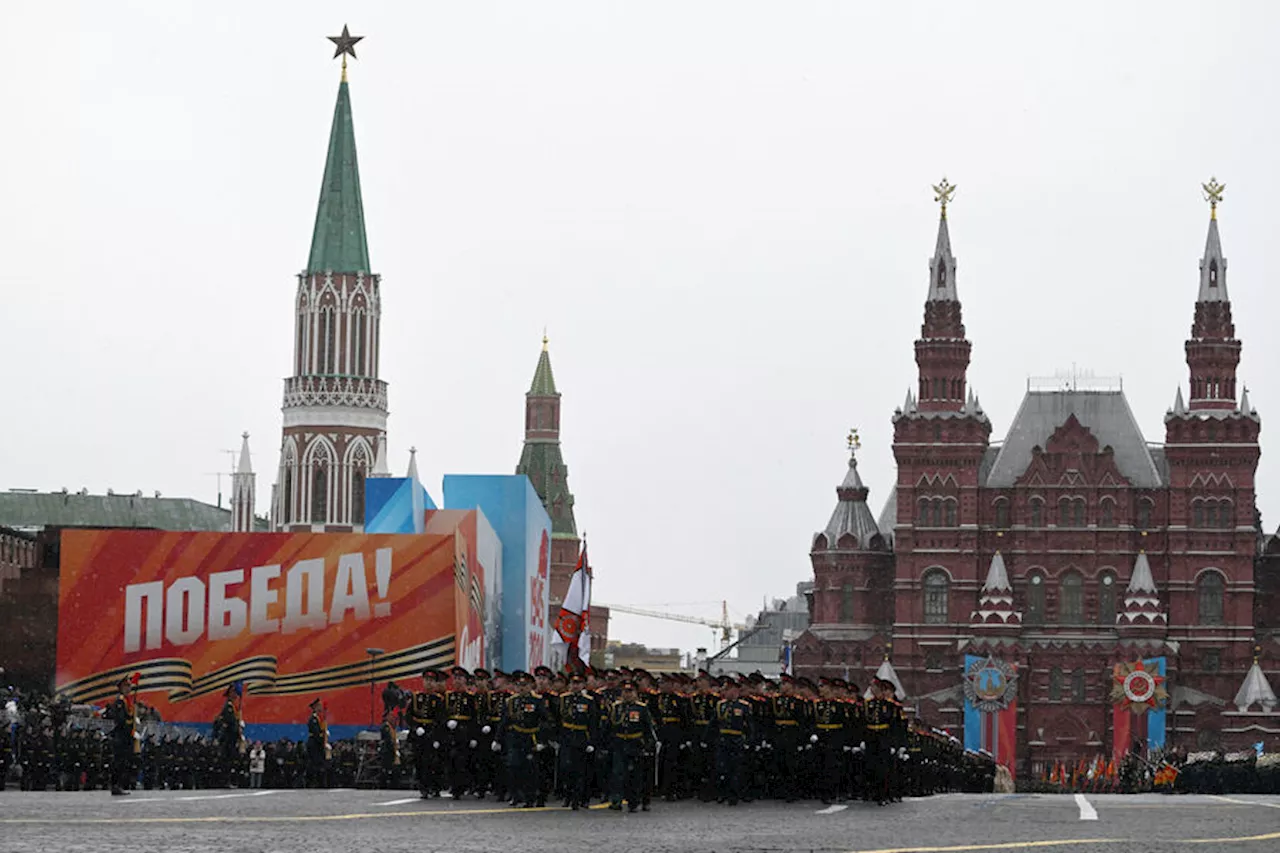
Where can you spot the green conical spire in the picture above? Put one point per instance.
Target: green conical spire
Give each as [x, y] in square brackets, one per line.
[544, 384]
[338, 243]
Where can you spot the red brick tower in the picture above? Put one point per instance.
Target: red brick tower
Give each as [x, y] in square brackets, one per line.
[335, 406]
[1212, 450]
[938, 443]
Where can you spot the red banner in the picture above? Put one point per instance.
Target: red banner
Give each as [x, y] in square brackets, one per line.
[289, 614]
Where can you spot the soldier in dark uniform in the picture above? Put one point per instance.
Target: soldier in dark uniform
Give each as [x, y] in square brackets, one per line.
[525, 725]
[880, 714]
[426, 720]
[631, 736]
[672, 719]
[123, 712]
[831, 737]
[734, 732]
[491, 692]
[545, 759]
[578, 716]
[389, 749]
[790, 738]
[228, 732]
[461, 731]
[317, 746]
[702, 759]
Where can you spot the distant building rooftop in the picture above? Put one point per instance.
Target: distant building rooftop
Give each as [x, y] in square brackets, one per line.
[30, 510]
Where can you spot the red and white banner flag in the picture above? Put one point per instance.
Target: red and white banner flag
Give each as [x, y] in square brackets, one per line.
[572, 641]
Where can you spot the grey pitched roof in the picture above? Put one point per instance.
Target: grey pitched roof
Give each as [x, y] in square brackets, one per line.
[851, 515]
[889, 515]
[1106, 414]
[37, 510]
[1213, 253]
[1255, 690]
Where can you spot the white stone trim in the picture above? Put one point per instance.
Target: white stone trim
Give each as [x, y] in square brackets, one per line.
[335, 416]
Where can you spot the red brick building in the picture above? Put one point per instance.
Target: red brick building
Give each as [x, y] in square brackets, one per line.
[1071, 545]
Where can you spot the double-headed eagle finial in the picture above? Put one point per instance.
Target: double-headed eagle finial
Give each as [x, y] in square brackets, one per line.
[1213, 194]
[943, 193]
[854, 442]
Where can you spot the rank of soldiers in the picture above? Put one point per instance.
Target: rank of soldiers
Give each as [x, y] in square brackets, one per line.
[628, 737]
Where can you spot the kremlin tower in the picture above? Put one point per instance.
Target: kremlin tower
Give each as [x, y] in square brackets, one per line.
[335, 406]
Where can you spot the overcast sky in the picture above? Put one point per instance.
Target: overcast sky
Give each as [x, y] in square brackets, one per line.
[721, 212]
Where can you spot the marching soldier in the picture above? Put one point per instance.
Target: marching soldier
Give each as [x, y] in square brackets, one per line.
[702, 712]
[461, 730]
[123, 712]
[830, 734]
[545, 759]
[734, 730]
[578, 716]
[525, 722]
[228, 731]
[631, 736]
[425, 717]
[318, 748]
[389, 748]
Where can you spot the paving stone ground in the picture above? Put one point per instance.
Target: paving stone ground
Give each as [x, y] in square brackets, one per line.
[374, 821]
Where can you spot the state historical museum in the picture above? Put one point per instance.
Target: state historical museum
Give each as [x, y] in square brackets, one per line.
[1066, 555]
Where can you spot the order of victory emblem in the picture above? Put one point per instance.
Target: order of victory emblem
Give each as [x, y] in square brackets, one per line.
[1137, 688]
[990, 684]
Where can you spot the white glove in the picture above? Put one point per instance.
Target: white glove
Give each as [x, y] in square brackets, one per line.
[435, 744]
[702, 744]
[590, 748]
[452, 724]
[472, 744]
[538, 747]
[765, 744]
[495, 746]
[863, 746]
[420, 731]
[799, 749]
[813, 738]
[848, 748]
[485, 730]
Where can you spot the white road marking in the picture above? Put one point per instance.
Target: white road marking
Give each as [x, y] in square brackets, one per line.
[201, 797]
[399, 802]
[1245, 802]
[832, 809]
[1087, 811]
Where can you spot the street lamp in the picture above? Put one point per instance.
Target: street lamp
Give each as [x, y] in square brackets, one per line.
[373, 656]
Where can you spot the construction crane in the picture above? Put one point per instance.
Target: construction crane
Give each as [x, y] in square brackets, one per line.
[723, 624]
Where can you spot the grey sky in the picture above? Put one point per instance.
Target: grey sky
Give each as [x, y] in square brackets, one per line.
[720, 210]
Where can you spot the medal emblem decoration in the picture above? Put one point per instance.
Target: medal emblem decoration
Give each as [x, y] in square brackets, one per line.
[1137, 689]
[990, 684]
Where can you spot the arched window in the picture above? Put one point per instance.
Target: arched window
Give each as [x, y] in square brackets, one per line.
[1071, 604]
[1107, 600]
[1144, 513]
[1213, 273]
[1037, 512]
[1077, 512]
[357, 495]
[1197, 513]
[358, 351]
[1077, 686]
[1210, 590]
[320, 494]
[924, 512]
[942, 275]
[286, 500]
[846, 603]
[1210, 513]
[1002, 513]
[1064, 512]
[1107, 512]
[1226, 514]
[936, 592]
[1035, 599]
[1055, 684]
[951, 512]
